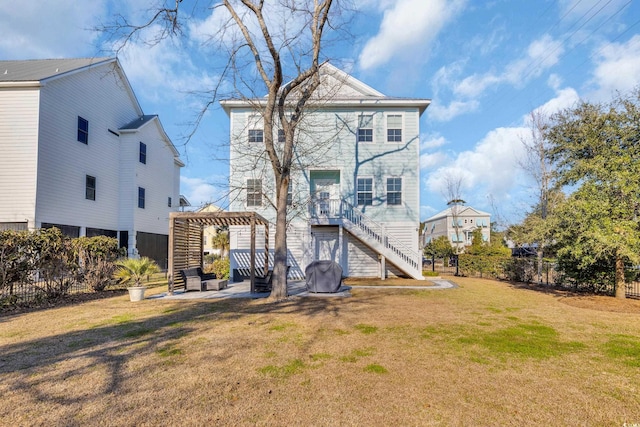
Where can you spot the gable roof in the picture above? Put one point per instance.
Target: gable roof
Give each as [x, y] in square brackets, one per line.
[33, 70]
[145, 119]
[339, 89]
[37, 72]
[464, 211]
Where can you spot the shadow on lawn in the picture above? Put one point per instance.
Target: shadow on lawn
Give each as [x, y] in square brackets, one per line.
[38, 367]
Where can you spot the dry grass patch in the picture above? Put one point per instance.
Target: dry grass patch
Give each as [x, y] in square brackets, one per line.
[485, 353]
[389, 281]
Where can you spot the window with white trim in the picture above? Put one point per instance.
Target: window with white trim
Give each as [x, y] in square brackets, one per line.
[142, 155]
[281, 137]
[364, 191]
[141, 197]
[394, 191]
[83, 130]
[365, 128]
[255, 126]
[289, 195]
[90, 187]
[394, 128]
[254, 192]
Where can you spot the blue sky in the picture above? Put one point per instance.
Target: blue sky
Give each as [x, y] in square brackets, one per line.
[484, 64]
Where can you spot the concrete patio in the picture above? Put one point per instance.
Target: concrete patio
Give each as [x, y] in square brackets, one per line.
[296, 288]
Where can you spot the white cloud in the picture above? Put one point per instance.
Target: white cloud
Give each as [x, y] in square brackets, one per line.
[39, 29]
[407, 25]
[428, 142]
[490, 168]
[617, 68]
[474, 85]
[565, 98]
[199, 191]
[541, 55]
[454, 109]
[432, 160]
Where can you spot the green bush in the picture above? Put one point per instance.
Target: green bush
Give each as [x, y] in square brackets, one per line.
[220, 267]
[134, 270]
[483, 265]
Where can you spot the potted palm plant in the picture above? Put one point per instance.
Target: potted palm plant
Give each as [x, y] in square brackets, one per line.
[133, 270]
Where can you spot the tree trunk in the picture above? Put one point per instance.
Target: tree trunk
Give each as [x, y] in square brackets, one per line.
[621, 291]
[279, 289]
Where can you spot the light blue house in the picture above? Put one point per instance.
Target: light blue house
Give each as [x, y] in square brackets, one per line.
[355, 191]
[458, 223]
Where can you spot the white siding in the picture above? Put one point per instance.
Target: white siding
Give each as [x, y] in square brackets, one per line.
[98, 96]
[157, 177]
[327, 141]
[18, 154]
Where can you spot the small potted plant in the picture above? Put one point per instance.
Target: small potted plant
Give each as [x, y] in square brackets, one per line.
[133, 270]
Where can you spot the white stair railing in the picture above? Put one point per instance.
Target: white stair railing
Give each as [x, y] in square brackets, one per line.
[370, 232]
[376, 232]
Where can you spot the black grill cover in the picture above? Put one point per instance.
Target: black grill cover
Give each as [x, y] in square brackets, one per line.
[323, 276]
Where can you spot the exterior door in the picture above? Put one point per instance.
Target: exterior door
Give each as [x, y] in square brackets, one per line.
[327, 246]
[326, 197]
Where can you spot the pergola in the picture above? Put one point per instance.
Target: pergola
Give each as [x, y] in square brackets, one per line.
[186, 243]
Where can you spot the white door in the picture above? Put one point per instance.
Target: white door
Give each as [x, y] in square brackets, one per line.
[327, 246]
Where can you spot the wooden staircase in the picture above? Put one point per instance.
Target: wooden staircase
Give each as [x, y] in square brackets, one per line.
[371, 234]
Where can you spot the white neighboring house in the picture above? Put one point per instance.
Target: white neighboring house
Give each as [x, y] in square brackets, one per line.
[467, 219]
[78, 153]
[354, 193]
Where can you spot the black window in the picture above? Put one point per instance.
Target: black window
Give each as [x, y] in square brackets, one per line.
[365, 191]
[365, 128]
[254, 192]
[143, 153]
[83, 130]
[394, 191]
[141, 197]
[289, 195]
[394, 128]
[255, 135]
[90, 187]
[169, 201]
[281, 137]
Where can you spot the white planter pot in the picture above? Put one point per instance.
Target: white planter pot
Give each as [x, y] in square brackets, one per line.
[136, 293]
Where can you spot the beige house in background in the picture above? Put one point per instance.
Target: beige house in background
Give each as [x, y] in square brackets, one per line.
[467, 220]
[210, 232]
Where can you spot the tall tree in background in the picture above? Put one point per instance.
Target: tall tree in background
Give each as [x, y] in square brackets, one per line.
[596, 147]
[536, 163]
[272, 47]
[453, 194]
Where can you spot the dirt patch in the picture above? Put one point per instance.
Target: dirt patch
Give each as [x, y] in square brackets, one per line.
[602, 303]
[391, 281]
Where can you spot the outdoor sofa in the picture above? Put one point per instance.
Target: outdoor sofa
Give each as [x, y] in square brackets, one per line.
[197, 280]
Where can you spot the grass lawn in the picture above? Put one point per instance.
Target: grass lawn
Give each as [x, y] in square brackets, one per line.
[485, 353]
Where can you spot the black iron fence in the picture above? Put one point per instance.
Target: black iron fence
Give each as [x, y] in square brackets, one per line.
[525, 270]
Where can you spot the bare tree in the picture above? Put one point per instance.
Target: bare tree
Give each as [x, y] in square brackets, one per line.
[537, 165]
[260, 41]
[453, 194]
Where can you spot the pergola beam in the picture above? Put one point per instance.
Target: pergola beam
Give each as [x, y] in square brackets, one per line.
[186, 238]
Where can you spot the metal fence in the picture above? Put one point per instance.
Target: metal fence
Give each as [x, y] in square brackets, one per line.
[550, 277]
[20, 293]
